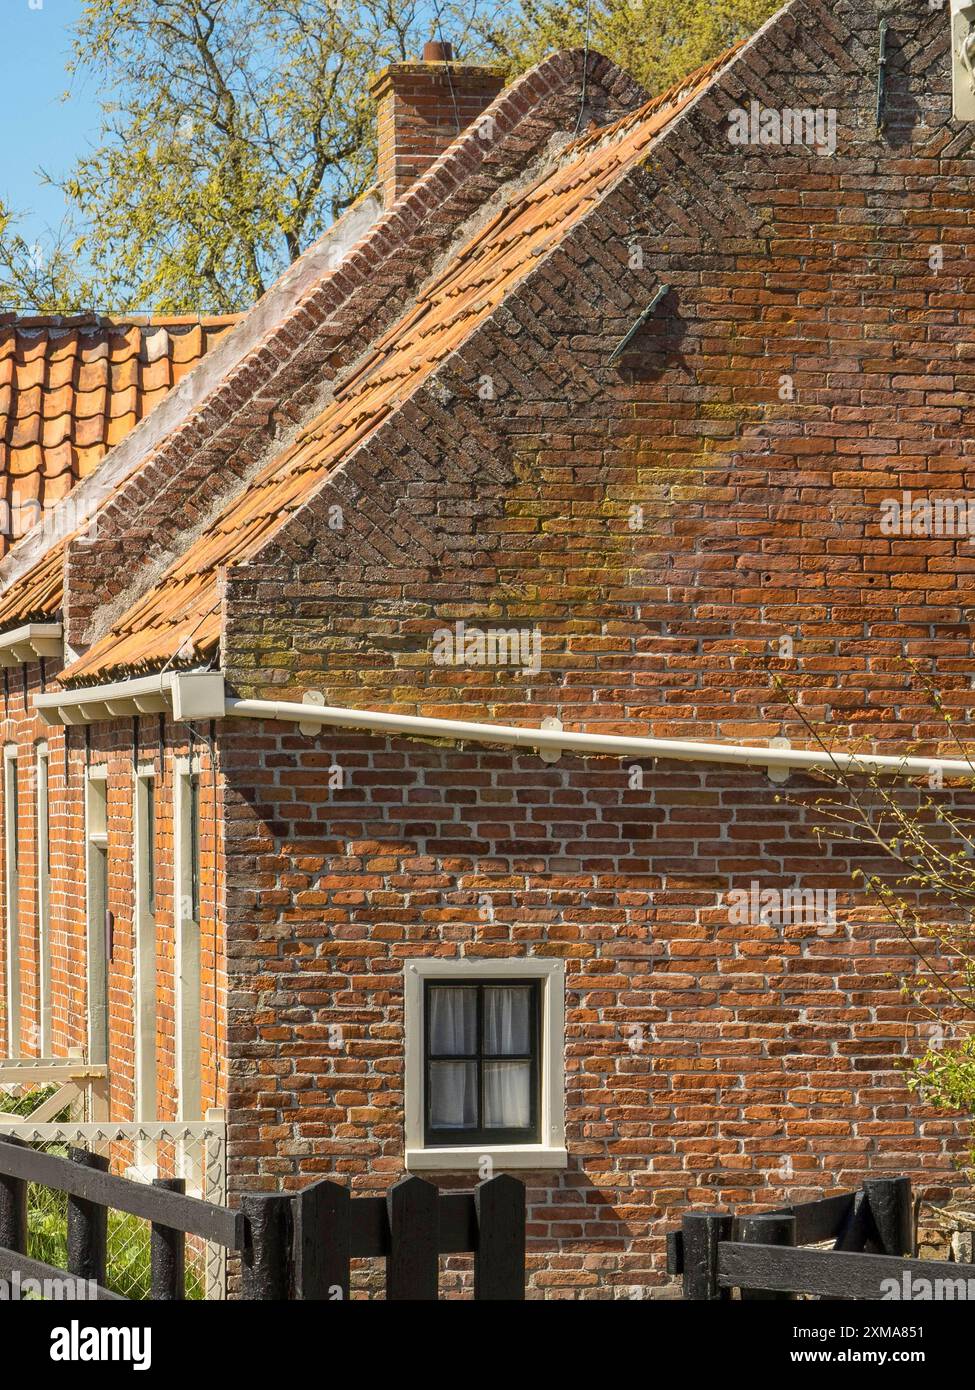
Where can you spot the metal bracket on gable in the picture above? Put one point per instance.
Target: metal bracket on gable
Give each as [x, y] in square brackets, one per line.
[624, 342]
[882, 78]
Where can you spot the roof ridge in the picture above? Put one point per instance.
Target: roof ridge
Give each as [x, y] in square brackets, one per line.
[671, 95]
[95, 320]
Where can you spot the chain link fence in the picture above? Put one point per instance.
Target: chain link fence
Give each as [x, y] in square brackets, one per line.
[193, 1152]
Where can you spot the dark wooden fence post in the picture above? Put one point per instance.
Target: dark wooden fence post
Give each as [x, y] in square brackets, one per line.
[266, 1261]
[771, 1229]
[892, 1212]
[702, 1231]
[167, 1253]
[413, 1262]
[499, 1261]
[13, 1211]
[87, 1225]
[322, 1241]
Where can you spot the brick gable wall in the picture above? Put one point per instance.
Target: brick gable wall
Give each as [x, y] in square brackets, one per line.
[769, 1059]
[278, 386]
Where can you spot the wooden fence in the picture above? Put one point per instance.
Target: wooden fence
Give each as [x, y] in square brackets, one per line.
[872, 1236]
[79, 1086]
[292, 1246]
[301, 1245]
[91, 1190]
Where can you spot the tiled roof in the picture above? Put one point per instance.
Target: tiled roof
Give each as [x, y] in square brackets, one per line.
[183, 606]
[71, 388]
[38, 596]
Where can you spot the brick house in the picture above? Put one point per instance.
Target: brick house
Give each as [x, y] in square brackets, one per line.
[569, 422]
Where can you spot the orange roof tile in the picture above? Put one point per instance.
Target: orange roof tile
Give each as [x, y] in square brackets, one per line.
[70, 388]
[183, 606]
[38, 595]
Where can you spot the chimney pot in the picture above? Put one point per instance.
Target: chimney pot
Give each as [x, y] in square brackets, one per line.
[434, 52]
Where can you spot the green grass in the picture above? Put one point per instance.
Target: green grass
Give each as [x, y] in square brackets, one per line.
[23, 1105]
[129, 1270]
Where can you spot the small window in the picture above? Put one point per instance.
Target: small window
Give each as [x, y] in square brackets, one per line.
[100, 921]
[11, 847]
[481, 1062]
[186, 810]
[484, 1063]
[44, 897]
[144, 982]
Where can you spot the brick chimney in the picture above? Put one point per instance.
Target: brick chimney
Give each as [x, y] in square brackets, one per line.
[423, 107]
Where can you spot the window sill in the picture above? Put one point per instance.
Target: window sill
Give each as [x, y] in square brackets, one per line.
[530, 1156]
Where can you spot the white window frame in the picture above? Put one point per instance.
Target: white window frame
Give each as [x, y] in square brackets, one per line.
[11, 889]
[97, 964]
[550, 1152]
[189, 981]
[43, 819]
[144, 993]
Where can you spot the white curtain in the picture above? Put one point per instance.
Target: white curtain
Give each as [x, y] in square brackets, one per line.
[507, 1032]
[453, 1021]
[453, 1095]
[507, 1095]
[506, 1020]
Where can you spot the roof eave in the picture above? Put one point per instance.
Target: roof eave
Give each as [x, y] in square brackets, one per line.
[31, 642]
[185, 695]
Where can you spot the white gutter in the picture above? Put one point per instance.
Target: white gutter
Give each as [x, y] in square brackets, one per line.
[183, 694]
[32, 642]
[554, 741]
[189, 695]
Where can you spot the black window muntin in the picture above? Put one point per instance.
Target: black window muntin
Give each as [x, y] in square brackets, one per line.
[479, 1134]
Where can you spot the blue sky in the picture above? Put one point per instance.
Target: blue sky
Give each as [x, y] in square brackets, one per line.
[39, 130]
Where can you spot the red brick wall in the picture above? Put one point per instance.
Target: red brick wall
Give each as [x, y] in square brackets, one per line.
[119, 747]
[702, 1057]
[760, 519]
[269, 391]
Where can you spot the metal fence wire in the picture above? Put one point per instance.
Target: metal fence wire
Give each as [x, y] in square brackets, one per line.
[193, 1152]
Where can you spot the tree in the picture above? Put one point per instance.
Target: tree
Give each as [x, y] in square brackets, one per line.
[32, 276]
[658, 41]
[235, 131]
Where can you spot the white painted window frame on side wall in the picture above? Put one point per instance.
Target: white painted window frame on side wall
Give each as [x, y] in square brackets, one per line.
[550, 1152]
